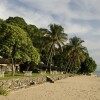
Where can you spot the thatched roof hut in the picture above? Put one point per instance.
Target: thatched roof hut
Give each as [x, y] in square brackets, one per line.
[4, 61]
[42, 66]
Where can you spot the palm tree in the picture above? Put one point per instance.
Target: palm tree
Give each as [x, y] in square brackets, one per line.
[56, 38]
[75, 54]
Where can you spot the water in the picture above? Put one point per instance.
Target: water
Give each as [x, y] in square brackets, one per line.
[97, 72]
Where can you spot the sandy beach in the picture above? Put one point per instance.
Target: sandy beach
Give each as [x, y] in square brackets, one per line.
[71, 88]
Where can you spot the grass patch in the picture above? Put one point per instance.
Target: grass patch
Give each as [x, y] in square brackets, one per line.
[8, 76]
[21, 75]
[3, 91]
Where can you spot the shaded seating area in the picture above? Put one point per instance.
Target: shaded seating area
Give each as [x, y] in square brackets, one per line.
[4, 64]
[43, 68]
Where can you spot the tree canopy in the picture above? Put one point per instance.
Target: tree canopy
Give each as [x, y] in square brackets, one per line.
[24, 42]
[16, 45]
[56, 38]
[17, 21]
[75, 54]
[88, 65]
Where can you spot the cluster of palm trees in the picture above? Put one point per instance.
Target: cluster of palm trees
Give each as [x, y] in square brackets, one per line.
[72, 53]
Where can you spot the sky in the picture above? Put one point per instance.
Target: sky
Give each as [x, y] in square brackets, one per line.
[78, 17]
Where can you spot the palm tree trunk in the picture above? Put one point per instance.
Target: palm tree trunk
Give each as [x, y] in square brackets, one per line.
[50, 61]
[71, 67]
[13, 66]
[69, 62]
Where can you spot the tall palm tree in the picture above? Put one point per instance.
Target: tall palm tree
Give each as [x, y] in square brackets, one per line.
[56, 38]
[75, 54]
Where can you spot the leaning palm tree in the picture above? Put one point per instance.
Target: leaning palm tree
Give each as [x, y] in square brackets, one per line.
[56, 38]
[75, 54]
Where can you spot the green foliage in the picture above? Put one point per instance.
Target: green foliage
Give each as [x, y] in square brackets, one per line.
[35, 35]
[1, 21]
[16, 43]
[17, 21]
[3, 91]
[32, 31]
[55, 37]
[74, 54]
[88, 65]
[22, 42]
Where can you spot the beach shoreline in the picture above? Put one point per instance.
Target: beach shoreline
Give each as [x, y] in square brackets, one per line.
[79, 87]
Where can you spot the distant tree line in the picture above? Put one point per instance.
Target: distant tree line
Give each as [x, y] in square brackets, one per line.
[29, 45]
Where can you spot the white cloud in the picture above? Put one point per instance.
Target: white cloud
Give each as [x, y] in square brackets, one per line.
[89, 9]
[44, 9]
[94, 49]
[92, 45]
[77, 29]
[96, 32]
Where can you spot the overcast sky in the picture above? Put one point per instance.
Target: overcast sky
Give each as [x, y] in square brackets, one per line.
[78, 17]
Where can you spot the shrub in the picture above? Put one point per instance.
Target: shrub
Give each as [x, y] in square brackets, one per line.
[88, 65]
[3, 91]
